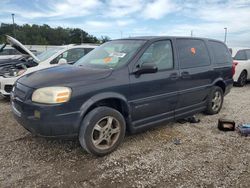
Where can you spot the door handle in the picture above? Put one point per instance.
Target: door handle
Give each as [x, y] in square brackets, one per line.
[185, 75]
[174, 76]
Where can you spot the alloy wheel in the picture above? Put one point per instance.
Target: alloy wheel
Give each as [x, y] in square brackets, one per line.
[243, 79]
[106, 133]
[216, 101]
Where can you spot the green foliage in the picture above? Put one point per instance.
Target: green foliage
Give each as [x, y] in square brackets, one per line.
[105, 39]
[45, 35]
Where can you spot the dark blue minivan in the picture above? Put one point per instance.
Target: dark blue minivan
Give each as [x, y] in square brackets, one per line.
[124, 85]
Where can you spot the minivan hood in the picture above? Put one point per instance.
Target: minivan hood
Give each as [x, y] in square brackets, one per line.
[63, 75]
[20, 47]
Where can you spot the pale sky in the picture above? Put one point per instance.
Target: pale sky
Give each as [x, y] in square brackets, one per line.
[124, 18]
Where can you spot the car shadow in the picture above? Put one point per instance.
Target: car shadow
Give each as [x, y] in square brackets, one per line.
[4, 99]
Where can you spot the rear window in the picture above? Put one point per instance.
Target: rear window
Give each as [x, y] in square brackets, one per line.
[192, 53]
[220, 52]
[241, 55]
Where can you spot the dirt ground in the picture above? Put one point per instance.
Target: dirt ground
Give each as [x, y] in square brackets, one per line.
[205, 156]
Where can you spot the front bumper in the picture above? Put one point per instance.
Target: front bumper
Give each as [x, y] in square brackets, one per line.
[45, 120]
[6, 85]
[236, 77]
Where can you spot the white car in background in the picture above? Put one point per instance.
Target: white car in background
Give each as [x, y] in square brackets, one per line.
[241, 66]
[7, 52]
[11, 71]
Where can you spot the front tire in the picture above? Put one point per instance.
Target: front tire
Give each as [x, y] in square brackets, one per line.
[102, 131]
[215, 101]
[242, 80]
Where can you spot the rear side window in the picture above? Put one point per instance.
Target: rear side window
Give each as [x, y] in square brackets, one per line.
[248, 54]
[192, 53]
[71, 55]
[220, 52]
[241, 55]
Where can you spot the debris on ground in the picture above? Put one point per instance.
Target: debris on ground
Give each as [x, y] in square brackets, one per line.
[226, 125]
[244, 129]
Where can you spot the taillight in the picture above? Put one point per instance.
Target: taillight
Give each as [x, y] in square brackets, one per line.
[234, 67]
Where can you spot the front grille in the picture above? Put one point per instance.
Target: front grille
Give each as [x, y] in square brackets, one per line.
[17, 107]
[20, 91]
[8, 88]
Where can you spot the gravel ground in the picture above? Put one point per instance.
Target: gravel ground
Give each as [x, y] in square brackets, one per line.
[205, 157]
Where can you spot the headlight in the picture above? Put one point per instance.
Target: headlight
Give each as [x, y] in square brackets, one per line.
[51, 95]
[14, 73]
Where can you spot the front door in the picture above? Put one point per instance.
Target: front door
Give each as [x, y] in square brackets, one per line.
[154, 95]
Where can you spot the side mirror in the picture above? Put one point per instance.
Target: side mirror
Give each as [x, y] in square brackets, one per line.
[62, 61]
[146, 68]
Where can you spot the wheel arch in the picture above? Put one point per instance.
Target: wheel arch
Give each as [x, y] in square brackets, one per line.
[220, 83]
[244, 70]
[110, 99]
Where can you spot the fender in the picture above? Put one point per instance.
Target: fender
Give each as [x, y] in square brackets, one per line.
[101, 96]
[218, 80]
[227, 83]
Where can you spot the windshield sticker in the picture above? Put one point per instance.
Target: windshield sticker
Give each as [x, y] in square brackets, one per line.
[193, 51]
[107, 59]
[117, 54]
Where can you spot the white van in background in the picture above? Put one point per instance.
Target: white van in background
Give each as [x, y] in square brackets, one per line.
[7, 52]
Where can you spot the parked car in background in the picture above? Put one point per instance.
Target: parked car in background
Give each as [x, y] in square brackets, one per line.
[9, 52]
[242, 67]
[127, 84]
[11, 70]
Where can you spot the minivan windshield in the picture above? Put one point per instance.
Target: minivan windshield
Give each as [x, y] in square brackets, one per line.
[111, 54]
[48, 53]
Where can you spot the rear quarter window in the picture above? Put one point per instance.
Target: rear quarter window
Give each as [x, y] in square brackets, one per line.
[241, 55]
[192, 53]
[248, 54]
[220, 52]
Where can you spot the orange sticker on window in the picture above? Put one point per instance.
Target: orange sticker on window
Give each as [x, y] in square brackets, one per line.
[107, 59]
[193, 50]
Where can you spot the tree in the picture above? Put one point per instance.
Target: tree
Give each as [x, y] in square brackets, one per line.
[105, 39]
[45, 35]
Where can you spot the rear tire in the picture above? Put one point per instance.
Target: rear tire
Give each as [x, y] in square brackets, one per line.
[102, 131]
[242, 80]
[215, 101]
